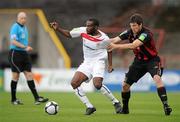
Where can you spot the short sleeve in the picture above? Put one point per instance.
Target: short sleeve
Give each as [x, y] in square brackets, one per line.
[104, 43]
[14, 33]
[124, 35]
[76, 32]
[144, 37]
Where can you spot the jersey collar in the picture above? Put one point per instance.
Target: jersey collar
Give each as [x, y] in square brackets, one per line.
[20, 24]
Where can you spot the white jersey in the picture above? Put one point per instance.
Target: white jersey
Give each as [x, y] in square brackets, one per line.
[94, 48]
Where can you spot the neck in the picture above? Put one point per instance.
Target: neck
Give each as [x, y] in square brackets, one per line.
[95, 33]
[20, 24]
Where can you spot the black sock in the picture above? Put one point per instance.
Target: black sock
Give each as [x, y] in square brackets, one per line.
[33, 88]
[13, 90]
[162, 94]
[125, 99]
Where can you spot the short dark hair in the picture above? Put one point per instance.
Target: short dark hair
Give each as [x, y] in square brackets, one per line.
[95, 21]
[136, 18]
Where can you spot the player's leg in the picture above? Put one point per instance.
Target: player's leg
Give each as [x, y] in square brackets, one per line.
[30, 80]
[155, 71]
[76, 82]
[125, 94]
[14, 81]
[98, 74]
[97, 81]
[15, 78]
[135, 72]
[15, 62]
[32, 87]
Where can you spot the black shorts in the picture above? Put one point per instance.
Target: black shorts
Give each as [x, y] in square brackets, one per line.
[139, 68]
[19, 61]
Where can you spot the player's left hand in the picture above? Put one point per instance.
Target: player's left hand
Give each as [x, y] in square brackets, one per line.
[111, 47]
[28, 48]
[110, 69]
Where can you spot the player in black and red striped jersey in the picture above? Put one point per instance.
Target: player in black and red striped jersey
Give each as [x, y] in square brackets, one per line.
[146, 60]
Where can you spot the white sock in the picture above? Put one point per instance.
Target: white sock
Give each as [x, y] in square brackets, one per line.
[105, 91]
[81, 95]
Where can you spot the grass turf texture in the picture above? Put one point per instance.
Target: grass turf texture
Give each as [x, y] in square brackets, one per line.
[144, 107]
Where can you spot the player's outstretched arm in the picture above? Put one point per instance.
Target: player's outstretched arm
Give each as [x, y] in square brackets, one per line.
[110, 68]
[115, 40]
[56, 27]
[131, 46]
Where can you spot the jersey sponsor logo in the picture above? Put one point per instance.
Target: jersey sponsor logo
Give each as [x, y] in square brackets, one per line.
[142, 36]
[90, 38]
[23, 36]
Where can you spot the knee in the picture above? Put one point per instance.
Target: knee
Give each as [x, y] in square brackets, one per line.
[125, 87]
[98, 85]
[74, 84]
[29, 76]
[15, 76]
[158, 80]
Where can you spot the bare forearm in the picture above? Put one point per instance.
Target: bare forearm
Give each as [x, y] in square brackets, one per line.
[115, 40]
[18, 44]
[110, 58]
[64, 32]
[126, 46]
[131, 46]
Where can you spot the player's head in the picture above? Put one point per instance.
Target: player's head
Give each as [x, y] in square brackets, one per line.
[136, 23]
[21, 18]
[92, 26]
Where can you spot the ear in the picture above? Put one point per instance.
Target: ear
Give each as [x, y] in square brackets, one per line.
[96, 27]
[141, 25]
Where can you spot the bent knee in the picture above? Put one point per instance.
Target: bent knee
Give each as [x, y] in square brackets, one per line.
[74, 84]
[97, 81]
[15, 77]
[158, 80]
[125, 87]
[98, 86]
[29, 75]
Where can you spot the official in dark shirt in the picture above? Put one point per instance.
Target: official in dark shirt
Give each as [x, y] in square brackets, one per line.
[146, 59]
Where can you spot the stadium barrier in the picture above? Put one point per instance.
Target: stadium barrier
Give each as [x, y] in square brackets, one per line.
[171, 79]
[47, 80]
[59, 80]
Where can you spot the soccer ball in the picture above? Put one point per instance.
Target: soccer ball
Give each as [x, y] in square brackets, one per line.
[51, 108]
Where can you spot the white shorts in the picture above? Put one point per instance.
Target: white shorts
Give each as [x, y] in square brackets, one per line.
[92, 69]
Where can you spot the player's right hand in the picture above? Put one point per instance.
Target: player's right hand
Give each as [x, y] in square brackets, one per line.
[28, 48]
[111, 47]
[54, 25]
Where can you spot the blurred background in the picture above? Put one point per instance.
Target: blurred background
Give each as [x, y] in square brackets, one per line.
[54, 55]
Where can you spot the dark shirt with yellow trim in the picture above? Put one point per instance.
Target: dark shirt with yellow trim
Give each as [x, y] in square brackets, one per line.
[145, 52]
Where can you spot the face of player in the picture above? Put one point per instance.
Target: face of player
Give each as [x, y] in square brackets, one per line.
[22, 19]
[136, 28]
[91, 28]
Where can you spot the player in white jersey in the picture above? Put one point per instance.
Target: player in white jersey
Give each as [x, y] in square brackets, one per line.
[93, 67]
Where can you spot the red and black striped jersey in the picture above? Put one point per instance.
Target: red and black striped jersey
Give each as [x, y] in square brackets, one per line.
[146, 51]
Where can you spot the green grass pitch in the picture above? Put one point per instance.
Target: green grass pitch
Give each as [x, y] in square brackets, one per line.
[144, 107]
